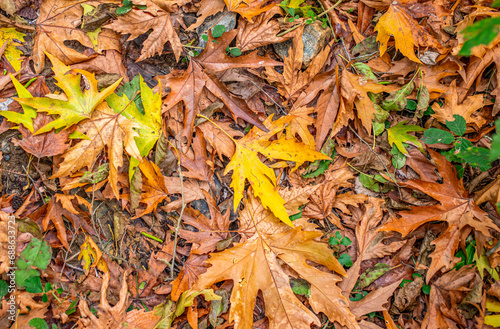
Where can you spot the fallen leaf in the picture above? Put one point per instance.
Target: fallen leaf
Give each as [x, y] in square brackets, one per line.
[139, 21]
[153, 187]
[91, 256]
[456, 208]
[13, 55]
[246, 164]
[398, 134]
[76, 105]
[268, 253]
[105, 128]
[249, 8]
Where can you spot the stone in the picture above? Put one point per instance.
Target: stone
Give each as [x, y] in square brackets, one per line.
[314, 39]
[227, 19]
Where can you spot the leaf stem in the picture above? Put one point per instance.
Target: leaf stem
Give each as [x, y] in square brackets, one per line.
[206, 118]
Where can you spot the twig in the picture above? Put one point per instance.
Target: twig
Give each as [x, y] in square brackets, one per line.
[177, 227]
[382, 162]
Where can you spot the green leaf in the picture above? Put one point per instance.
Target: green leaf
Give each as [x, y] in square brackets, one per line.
[378, 128]
[79, 104]
[482, 32]
[29, 113]
[345, 241]
[398, 159]
[411, 105]
[123, 10]
[458, 126]
[338, 235]
[333, 241]
[345, 260]
[4, 289]
[396, 101]
[38, 323]
[36, 254]
[373, 274]
[300, 287]
[398, 135]
[369, 182]
[33, 285]
[426, 289]
[235, 51]
[218, 31]
[434, 136]
[365, 70]
[405, 281]
[495, 144]
[477, 157]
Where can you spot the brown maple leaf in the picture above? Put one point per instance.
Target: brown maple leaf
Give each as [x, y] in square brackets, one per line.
[43, 145]
[200, 166]
[192, 268]
[261, 32]
[139, 21]
[187, 86]
[293, 79]
[446, 293]
[211, 230]
[57, 22]
[153, 187]
[257, 265]
[64, 205]
[456, 208]
[105, 128]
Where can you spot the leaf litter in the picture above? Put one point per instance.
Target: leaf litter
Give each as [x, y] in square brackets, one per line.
[151, 180]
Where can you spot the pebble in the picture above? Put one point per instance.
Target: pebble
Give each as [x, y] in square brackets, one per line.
[221, 18]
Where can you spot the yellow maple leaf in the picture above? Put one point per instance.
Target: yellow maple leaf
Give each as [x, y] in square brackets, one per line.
[406, 31]
[91, 256]
[246, 164]
[76, 105]
[12, 54]
[249, 8]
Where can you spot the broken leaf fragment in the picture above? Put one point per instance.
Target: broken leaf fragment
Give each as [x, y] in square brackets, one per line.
[13, 55]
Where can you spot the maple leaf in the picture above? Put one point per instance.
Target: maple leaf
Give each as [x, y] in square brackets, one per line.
[246, 164]
[105, 128]
[13, 55]
[139, 21]
[77, 105]
[446, 293]
[249, 8]
[261, 32]
[91, 256]
[258, 265]
[26, 118]
[153, 186]
[406, 31]
[293, 80]
[456, 208]
[62, 205]
[115, 316]
[201, 167]
[188, 86]
[210, 230]
[354, 91]
[451, 107]
[398, 134]
[149, 123]
[43, 145]
[57, 22]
